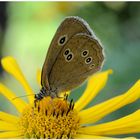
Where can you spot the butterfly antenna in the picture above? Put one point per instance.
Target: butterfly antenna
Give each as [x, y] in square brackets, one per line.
[22, 96]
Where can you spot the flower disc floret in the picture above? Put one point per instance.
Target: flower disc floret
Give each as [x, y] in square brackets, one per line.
[49, 118]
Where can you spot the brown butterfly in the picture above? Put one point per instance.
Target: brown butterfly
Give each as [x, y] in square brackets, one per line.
[74, 54]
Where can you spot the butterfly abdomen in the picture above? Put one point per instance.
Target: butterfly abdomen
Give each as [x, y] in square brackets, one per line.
[41, 94]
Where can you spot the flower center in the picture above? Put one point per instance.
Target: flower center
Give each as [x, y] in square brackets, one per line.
[49, 118]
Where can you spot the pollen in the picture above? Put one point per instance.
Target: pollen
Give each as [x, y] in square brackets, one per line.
[49, 118]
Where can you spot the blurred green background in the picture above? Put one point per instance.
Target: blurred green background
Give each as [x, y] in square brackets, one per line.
[26, 30]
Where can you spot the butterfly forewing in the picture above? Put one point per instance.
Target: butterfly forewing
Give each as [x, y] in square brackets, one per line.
[68, 28]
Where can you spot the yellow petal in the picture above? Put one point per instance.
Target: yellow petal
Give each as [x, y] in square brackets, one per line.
[126, 125]
[9, 134]
[38, 77]
[18, 103]
[95, 84]
[19, 137]
[7, 126]
[98, 111]
[10, 65]
[84, 136]
[8, 118]
[130, 138]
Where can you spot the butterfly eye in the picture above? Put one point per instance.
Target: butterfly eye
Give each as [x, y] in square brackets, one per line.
[66, 52]
[85, 53]
[88, 60]
[69, 57]
[62, 40]
[92, 66]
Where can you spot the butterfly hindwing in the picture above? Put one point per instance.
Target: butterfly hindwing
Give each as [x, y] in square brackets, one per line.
[79, 58]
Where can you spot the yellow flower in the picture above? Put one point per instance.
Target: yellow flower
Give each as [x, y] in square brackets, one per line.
[59, 118]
